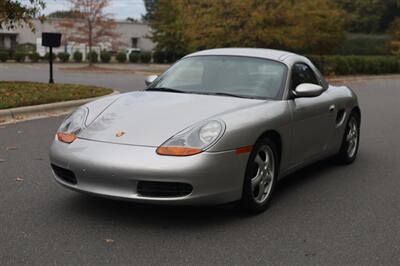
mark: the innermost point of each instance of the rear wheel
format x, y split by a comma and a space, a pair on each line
351, 140
260, 177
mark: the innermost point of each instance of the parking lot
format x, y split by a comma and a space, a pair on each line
325, 214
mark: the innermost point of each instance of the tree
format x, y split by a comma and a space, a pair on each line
150, 6
13, 12
64, 14
368, 16
167, 27
394, 30
92, 26
314, 26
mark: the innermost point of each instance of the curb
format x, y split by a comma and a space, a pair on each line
20, 114
361, 78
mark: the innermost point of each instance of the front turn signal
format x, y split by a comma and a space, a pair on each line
178, 151
66, 137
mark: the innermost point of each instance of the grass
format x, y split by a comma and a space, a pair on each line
17, 94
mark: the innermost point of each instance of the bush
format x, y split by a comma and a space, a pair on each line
78, 56
121, 57
3, 56
93, 57
64, 57
145, 58
134, 57
46, 56
352, 65
34, 57
25, 48
105, 57
159, 57
20, 57
364, 44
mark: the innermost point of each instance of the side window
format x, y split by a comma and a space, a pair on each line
302, 73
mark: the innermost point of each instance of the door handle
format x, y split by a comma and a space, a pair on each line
332, 108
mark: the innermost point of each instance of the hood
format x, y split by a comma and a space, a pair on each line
151, 118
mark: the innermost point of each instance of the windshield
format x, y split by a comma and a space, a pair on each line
225, 75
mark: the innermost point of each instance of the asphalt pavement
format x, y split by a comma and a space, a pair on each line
325, 214
122, 81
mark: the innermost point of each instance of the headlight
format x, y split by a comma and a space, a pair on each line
193, 140
72, 125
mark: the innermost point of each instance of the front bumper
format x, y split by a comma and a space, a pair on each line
115, 170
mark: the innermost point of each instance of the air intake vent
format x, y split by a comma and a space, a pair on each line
163, 189
64, 174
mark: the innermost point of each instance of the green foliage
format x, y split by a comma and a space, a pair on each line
4, 56
356, 65
25, 48
150, 5
121, 57
145, 57
93, 57
304, 26
105, 57
159, 57
34, 57
369, 16
168, 26
394, 44
364, 44
46, 56
134, 57
16, 94
20, 57
64, 57
78, 56
64, 14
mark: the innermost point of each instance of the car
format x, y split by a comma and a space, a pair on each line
219, 126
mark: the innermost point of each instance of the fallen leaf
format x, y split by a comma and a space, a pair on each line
19, 117
109, 241
19, 179
119, 134
13, 148
2, 121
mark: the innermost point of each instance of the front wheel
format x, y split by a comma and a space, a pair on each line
260, 177
351, 140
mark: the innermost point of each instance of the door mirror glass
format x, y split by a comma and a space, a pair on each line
150, 79
308, 90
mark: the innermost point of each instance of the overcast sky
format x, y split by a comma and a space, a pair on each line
121, 9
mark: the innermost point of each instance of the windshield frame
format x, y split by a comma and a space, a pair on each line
278, 97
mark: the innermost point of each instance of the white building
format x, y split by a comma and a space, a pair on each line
132, 34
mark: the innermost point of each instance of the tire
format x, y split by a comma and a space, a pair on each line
260, 177
351, 140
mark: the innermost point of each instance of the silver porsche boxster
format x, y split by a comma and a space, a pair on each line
219, 126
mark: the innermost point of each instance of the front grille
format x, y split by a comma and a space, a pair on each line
163, 189
64, 174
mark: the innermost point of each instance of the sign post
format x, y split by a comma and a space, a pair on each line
51, 40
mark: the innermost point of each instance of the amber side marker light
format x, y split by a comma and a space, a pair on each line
178, 151
243, 150
66, 137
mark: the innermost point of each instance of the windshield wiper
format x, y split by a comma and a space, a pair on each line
228, 94
166, 90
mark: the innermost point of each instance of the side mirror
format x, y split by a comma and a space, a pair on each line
150, 79
308, 90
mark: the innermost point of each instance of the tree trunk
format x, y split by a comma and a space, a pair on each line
90, 42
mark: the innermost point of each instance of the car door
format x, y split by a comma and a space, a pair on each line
313, 119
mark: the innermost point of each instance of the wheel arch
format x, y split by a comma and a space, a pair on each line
357, 111
275, 136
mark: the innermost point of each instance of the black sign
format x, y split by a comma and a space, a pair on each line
50, 39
